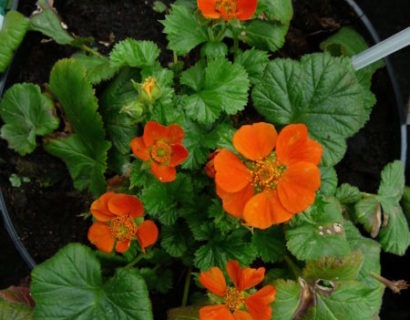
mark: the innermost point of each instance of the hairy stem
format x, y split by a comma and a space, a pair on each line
186, 287
395, 286
90, 50
135, 261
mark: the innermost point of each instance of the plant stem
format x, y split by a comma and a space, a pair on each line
186, 287
292, 265
395, 286
135, 261
175, 57
90, 50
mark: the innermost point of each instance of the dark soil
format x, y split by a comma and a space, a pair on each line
46, 210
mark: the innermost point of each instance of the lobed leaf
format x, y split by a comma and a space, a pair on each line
134, 53
27, 113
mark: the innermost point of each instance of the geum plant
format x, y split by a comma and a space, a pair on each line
232, 158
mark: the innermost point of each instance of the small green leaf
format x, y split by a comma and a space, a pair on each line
319, 233
395, 233
85, 151
70, 286
320, 91
287, 299
223, 88
334, 269
328, 181
347, 194
47, 21
134, 53
221, 248
214, 50
269, 244
14, 311
157, 281
183, 30
276, 10
368, 212
176, 239
254, 61
27, 113
12, 33
266, 35
99, 68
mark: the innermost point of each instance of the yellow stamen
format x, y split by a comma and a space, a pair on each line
161, 152
123, 228
227, 7
233, 299
266, 173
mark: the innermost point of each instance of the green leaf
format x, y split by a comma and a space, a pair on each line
134, 53
15, 311
70, 286
266, 35
176, 239
224, 87
287, 299
328, 181
319, 233
347, 194
12, 33
371, 253
120, 127
47, 21
214, 50
254, 61
368, 212
276, 10
27, 113
406, 202
320, 91
334, 269
184, 313
159, 281
221, 248
394, 234
183, 30
269, 244
99, 68
85, 151
349, 300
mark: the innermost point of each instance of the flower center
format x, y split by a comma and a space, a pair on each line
227, 8
123, 228
148, 85
233, 299
266, 173
161, 152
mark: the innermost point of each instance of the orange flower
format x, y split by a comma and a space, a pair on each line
269, 187
227, 9
162, 148
116, 223
237, 303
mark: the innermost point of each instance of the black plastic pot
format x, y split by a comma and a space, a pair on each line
396, 91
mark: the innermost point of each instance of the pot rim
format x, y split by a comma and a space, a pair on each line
25, 255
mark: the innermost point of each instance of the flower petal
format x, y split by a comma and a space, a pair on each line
179, 155
231, 174
208, 9
298, 185
139, 149
234, 203
233, 269
294, 145
153, 131
255, 141
163, 173
258, 304
125, 204
100, 235
246, 9
147, 234
242, 315
216, 312
99, 208
122, 246
264, 209
214, 281
250, 277
175, 134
